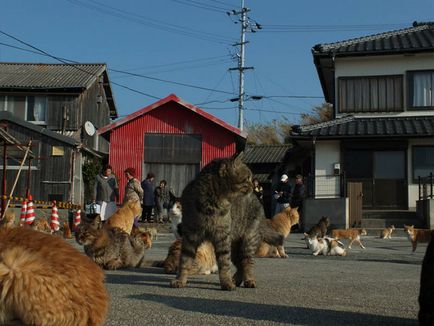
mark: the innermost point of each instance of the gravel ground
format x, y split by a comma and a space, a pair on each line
378, 285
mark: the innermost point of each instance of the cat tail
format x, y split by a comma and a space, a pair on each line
271, 236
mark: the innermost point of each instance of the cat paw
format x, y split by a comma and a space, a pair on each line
237, 279
229, 286
284, 256
177, 284
363, 247
250, 284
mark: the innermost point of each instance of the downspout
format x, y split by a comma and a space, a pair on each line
313, 166
71, 177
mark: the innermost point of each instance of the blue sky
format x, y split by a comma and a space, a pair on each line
190, 42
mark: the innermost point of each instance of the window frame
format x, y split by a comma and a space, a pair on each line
40, 122
410, 82
413, 176
364, 79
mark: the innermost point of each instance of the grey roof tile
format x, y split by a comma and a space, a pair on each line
265, 153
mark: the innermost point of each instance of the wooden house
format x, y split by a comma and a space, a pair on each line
57, 106
171, 138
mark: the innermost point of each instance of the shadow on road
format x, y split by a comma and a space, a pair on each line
273, 313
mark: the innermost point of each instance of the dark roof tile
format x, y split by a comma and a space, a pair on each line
265, 153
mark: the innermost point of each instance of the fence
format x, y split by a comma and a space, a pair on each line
425, 187
325, 186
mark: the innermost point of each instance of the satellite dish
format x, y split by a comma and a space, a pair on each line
89, 128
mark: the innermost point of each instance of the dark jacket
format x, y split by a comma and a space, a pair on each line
285, 198
297, 195
148, 196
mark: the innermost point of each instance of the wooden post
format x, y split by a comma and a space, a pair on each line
4, 179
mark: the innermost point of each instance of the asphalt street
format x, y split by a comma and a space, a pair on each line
375, 286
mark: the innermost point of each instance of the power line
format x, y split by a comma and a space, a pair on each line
201, 5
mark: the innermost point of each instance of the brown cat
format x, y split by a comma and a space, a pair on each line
281, 223
204, 262
124, 216
110, 248
218, 206
41, 225
352, 234
386, 233
144, 234
417, 235
426, 293
8, 220
45, 281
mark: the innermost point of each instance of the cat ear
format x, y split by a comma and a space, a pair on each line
223, 169
96, 223
238, 159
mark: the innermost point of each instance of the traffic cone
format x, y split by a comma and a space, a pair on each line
77, 218
30, 216
23, 212
54, 219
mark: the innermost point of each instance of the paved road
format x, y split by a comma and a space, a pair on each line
375, 286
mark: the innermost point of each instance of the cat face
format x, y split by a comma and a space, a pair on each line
88, 232
237, 174
409, 229
176, 208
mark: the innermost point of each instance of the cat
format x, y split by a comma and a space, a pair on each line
204, 263
218, 206
41, 225
109, 247
319, 229
175, 218
8, 220
45, 281
66, 231
386, 233
144, 234
123, 218
426, 292
417, 235
352, 234
281, 223
325, 246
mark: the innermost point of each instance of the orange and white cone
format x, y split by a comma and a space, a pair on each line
77, 218
23, 214
30, 216
54, 219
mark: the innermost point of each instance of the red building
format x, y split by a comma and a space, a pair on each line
171, 138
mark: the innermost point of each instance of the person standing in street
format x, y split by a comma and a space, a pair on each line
282, 194
106, 192
298, 198
133, 190
148, 197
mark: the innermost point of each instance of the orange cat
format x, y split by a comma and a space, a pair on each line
352, 234
417, 235
204, 263
281, 223
124, 216
41, 225
66, 231
386, 233
8, 220
45, 281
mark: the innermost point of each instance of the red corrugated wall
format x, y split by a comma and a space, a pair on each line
127, 141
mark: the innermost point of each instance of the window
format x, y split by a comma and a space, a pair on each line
370, 94
30, 108
423, 161
420, 84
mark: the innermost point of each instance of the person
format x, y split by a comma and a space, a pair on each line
149, 197
298, 197
133, 190
163, 198
106, 192
282, 194
258, 190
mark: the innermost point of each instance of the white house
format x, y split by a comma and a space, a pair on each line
381, 88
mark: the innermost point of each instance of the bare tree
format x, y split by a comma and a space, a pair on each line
321, 113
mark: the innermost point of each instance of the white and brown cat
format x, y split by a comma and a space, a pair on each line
386, 233
325, 246
351, 234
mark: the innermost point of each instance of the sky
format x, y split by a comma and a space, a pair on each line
188, 45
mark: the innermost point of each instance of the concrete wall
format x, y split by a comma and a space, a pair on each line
385, 65
336, 209
327, 153
425, 211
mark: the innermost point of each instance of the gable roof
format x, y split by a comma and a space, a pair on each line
254, 154
415, 39
167, 99
55, 77
364, 127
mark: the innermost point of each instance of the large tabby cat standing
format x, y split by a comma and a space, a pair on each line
426, 293
206, 203
45, 281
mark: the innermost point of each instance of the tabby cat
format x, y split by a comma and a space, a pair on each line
45, 281
219, 207
426, 293
320, 229
110, 248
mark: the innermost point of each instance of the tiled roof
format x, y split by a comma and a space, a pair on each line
352, 127
419, 37
265, 153
48, 76
262, 177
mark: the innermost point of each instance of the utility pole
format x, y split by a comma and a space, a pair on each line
245, 26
